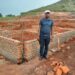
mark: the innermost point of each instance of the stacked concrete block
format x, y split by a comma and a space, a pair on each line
3, 60
60, 38
5, 33
31, 49
11, 49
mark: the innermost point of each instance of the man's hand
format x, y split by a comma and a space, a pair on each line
38, 38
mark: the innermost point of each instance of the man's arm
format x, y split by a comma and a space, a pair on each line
39, 29
51, 33
39, 26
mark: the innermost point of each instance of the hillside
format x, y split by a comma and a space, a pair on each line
62, 5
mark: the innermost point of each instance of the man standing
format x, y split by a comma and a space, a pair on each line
46, 25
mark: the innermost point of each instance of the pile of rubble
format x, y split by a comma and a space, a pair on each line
59, 68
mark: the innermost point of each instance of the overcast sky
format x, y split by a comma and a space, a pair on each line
18, 6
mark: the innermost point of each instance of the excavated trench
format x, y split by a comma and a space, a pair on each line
21, 36
12, 46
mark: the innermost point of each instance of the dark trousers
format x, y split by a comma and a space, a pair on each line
44, 42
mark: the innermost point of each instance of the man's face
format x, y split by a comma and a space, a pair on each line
47, 15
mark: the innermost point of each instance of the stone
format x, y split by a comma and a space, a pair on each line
50, 73
65, 69
68, 47
58, 72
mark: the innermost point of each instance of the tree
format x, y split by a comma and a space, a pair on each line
22, 14
1, 15
10, 15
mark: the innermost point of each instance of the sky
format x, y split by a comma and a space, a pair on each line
15, 7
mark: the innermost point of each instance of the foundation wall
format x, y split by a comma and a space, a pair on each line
31, 48
11, 49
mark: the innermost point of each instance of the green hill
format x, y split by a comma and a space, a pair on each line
62, 5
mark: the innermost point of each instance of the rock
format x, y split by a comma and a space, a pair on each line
50, 73
63, 45
68, 47
65, 69
54, 49
63, 50
58, 72
70, 57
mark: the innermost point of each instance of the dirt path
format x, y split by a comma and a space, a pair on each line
37, 67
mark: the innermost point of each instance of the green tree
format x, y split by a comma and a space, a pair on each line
22, 14
10, 15
1, 15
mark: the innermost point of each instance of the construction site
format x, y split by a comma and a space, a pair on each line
19, 45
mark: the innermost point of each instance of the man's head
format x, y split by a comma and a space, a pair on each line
47, 13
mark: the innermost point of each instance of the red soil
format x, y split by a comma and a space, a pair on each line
42, 67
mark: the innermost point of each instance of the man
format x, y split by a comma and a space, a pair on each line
46, 25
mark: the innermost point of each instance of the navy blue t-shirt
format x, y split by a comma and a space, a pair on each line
46, 26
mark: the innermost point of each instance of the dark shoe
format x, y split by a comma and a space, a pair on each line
40, 58
45, 57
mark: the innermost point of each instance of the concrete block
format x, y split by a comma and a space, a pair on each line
31, 49
11, 49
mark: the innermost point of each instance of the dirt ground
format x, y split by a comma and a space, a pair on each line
41, 67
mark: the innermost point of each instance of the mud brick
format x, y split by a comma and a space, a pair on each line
31, 49
11, 49
58, 72
65, 69
20, 50
50, 73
